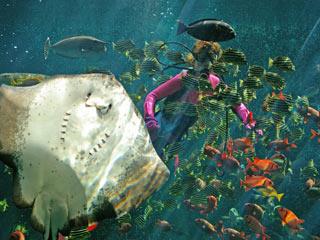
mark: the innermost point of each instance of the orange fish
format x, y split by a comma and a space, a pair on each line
289, 218
17, 235
255, 181
212, 205
281, 145
244, 144
314, 134
265, 165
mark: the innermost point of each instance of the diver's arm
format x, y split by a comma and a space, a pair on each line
169, 87
240, 109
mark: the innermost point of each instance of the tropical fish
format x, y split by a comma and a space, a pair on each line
234, 234
282, 145
76, 47
256, 71
219, 68
233, 56
256, 227
123, 46
211, 151
124, 228
150, 66
208, 30
314, 134
244, 144
212, 202
290, 219
251, 82
136, 54
254, 210
17, 235
275, 80
206, 226
265, 165
151, 50
282, 62
164, 225
269, 191
255, 181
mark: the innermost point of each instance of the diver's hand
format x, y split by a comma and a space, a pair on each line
152, 126
151, 123
252, 126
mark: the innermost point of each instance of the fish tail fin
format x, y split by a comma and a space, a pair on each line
181, 27
47, 46
279, 196
270, 62
313, 134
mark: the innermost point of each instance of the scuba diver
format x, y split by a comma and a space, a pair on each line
165, 129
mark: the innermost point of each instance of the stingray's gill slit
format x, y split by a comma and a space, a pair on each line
64, 125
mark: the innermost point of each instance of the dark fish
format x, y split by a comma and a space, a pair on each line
282, 62
208, 30
123, 46
233, 56
76, 47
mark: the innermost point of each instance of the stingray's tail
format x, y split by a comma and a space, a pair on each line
46, 49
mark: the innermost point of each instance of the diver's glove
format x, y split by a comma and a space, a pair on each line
246, 117
151, 123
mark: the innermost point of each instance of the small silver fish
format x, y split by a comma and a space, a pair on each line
76, 47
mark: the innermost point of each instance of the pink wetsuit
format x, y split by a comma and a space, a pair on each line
175, 84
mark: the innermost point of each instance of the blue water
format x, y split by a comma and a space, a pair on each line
264, 28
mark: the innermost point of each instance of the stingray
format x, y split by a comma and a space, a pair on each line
79, 150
